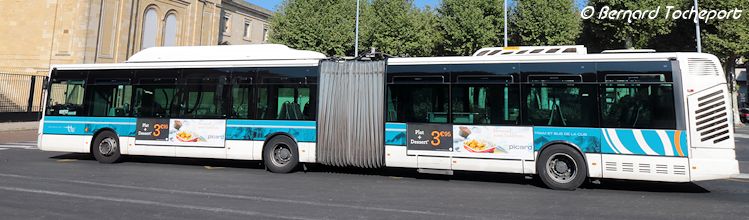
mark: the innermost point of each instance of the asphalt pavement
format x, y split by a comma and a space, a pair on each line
742, 148
50, 185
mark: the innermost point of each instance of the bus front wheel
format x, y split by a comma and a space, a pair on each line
562, 168
281, 155
106, 148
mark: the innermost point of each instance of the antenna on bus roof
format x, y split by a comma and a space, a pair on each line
373, 55
544, 50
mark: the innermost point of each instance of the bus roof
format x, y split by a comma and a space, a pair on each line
547, 58
223, 53
275, 55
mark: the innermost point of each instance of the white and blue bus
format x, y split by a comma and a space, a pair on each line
561, 114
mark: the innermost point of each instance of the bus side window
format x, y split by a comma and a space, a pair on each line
287, 102
204, 92
288, 93
420, 103
418, 94
66, 94
485, 104
637, 95
110, 93
241, 94
485, 94
556, 94
157, 94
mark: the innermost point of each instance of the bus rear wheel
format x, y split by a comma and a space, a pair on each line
561, 168
106, 148
281, 155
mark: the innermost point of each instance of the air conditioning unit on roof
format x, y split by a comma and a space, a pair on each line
544, 50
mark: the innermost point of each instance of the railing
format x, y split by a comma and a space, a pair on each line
21, 96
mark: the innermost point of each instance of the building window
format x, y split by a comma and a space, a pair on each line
150, 26
265, 33
170, 30
227, 24
247, 30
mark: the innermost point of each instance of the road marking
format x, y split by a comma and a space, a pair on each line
738, 180
145, 202
232, 196
738, 135
66, 160
212, 168
20, 145
3, 148
742, 176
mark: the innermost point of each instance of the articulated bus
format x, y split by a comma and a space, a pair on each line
564, 116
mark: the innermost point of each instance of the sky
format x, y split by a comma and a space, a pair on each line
272, 4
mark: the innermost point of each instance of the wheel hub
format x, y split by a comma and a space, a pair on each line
284, 154
108, 146
561, 168
281, 154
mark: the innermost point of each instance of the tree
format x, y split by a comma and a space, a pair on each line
469, 25
326, 26
603, 34
397, 27
727, 39
545, 22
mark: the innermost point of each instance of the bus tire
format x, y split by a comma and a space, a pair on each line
106, 148
281, 155
561, 167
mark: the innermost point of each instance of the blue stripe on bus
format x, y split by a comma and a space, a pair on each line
653, 141
395, 134
615, 141
588, 139
628, 140
73, 125
258, 130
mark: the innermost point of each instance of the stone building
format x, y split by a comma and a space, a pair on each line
37, 33
243, 23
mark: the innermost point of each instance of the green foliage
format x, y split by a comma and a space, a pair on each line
545, 23
469, 25
326, 26
460, 27
604, 34
728, 39
398, 28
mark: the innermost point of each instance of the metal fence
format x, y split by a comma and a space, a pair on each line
21, 97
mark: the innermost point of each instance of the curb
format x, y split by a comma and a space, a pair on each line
19, 126
741, 176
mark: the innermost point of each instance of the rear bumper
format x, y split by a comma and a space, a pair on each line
711, 164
